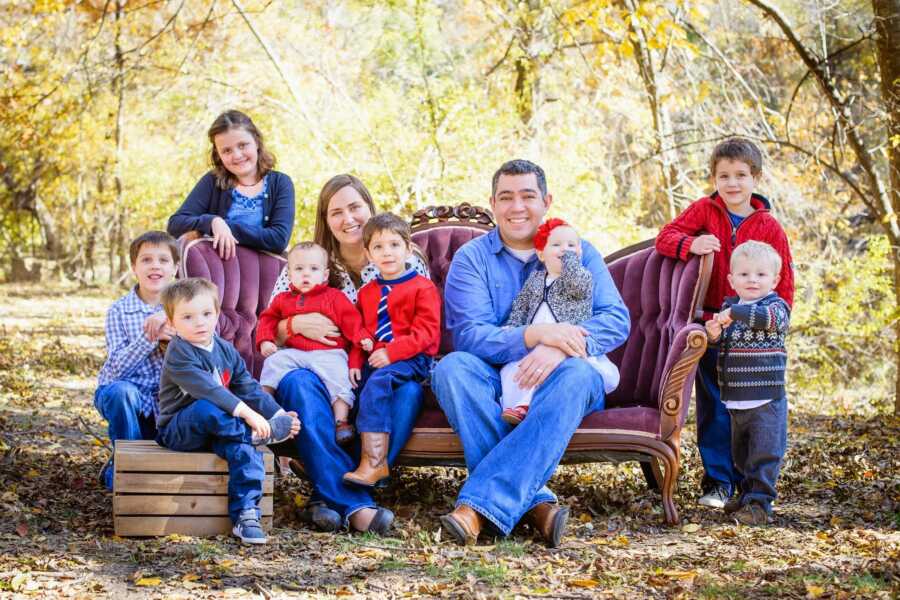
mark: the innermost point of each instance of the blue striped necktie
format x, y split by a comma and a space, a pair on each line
384, 332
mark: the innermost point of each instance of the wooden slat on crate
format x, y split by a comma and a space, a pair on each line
144, 456
199, 526
124, 505
176, 483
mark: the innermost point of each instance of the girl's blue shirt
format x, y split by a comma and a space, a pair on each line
245, 210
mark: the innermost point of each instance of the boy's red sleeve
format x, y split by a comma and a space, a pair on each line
424, 331
349, 321
267, 328
785, 287
675, 238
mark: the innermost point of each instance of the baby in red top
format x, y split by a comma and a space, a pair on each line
309, 293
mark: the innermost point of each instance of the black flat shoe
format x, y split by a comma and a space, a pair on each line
321, 517
381, 522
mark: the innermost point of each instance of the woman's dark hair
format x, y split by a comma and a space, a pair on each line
323, 235
235, 119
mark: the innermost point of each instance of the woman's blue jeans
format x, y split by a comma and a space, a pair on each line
324, 461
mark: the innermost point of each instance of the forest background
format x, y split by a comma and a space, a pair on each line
105, 106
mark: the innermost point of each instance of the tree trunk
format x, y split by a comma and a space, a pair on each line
887, 25
529, 30
662, 208
117, 241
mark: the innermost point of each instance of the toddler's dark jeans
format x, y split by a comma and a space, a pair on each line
758, 444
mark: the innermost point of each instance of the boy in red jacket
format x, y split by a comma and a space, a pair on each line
309, 293
733, 214
402, 312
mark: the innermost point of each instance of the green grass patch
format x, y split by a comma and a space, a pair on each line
868, 583
510, 548
719, 591
393, 564
459, 570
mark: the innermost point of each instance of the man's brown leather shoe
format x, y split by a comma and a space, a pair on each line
464, 524
550, 520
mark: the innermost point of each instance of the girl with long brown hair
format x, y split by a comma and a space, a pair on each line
242, 199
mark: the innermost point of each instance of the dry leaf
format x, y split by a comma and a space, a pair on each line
18, 581
691, 528
148, 581
814, 591
22, 529
584, 583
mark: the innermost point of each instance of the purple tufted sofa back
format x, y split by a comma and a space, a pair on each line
660, 294
439, 244
245, 284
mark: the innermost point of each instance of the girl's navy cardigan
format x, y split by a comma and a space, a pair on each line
208, 201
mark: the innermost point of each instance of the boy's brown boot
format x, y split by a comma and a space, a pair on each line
373, 468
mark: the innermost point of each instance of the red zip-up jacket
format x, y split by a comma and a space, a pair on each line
322, 299
414, 306
709, 215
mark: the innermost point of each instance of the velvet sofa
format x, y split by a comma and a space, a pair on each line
644, 415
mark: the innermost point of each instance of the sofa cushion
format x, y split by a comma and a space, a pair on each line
658, 292
439, 244
250, 277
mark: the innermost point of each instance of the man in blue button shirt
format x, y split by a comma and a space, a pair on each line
508, 467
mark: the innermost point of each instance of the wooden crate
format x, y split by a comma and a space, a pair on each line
159, 491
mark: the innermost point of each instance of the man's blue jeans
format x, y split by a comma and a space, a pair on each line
713, 427
508, 467
204, 426
120, 404
759, 441
324, 461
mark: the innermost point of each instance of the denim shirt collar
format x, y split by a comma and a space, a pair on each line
497, 246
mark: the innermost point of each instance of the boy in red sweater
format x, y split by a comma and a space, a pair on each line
309, 293
733, 214
402, 312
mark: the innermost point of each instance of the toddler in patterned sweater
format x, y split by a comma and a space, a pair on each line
750, 331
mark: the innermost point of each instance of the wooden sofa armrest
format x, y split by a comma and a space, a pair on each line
677, 381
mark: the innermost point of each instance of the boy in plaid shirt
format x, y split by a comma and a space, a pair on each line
128, 383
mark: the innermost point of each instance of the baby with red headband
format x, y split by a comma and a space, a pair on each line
560, 292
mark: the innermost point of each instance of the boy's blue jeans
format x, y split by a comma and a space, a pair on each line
382, 386
508, 467
324, 461
758, 442
713, 427
205, 426
120, 404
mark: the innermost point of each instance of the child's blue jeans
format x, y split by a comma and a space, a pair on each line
758, 444
120, 404
713, 427
205, 426
379, 392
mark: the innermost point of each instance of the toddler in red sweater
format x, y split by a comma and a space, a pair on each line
309, 293
402, 311
717, 224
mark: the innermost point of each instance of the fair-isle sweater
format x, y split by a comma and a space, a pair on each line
752, 357
570, 296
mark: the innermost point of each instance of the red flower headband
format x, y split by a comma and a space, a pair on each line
543, 232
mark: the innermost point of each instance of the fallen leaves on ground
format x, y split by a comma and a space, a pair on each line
835, 533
